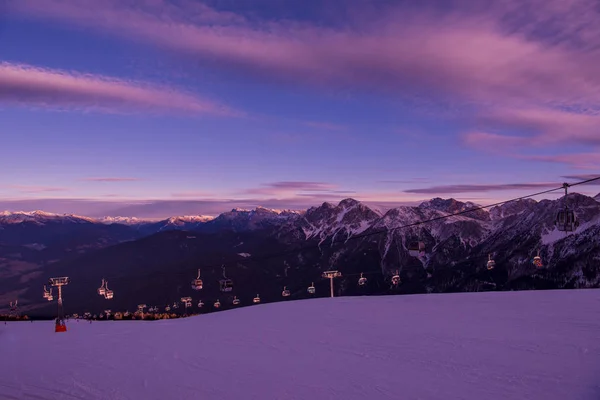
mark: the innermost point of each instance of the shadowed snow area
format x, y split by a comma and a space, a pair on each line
511, 345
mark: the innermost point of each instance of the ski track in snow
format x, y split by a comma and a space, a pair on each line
510, 345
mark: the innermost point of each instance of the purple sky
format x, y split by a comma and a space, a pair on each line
185, 106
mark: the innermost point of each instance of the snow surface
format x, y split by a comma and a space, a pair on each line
502, 345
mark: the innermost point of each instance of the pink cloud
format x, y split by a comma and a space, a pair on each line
479, 55
112, 179
36, 189
285, 187
461, 188
325, 125
517, 65
27, 85
589, 161
492, 142
192, 194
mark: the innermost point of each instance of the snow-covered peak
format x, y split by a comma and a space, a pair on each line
512, 208
349, 217
257, 213
186, 219
40, 217
453, 206
124, 220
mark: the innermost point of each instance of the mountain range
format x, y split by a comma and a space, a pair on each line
263, 250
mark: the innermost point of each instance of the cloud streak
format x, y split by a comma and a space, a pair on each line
583, 177
480, 55
453, 189
28, 189
325, 125
111, 179
526, 69
287, 187
27, 85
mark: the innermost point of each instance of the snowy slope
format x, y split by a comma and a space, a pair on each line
512, 345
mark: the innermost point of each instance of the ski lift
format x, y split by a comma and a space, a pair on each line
491, 264
197, 283
236, 301
186, 301
256, 300
48, 294
286, 292
537, 260
217, 304
226, 284
416, 249
396, 279
566, 221
13, 306
311, 289
362, 281
167, 308
200, 304
108, 294
175, 305
102, 289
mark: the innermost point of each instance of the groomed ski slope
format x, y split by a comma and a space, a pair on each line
513, 345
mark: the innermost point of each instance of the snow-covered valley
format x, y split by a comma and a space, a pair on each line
502, 345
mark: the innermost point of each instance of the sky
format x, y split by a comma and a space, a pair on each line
169, 107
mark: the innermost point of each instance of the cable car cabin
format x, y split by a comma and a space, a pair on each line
396, 279
102, 289
286, 292
256, 300
200, 304
311, 289
226, 285
197, 284
236, 301
217, 304
362, 281
537, 261
416, 249
566, 221
167, 308
108, 294
491, 264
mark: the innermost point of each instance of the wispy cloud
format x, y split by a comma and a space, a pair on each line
325, 125
411, 180
584, 161
584, 177
192, 194
453, 189
66, 90
36, 189
526, 69
287, 187
111, 179
475, 53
